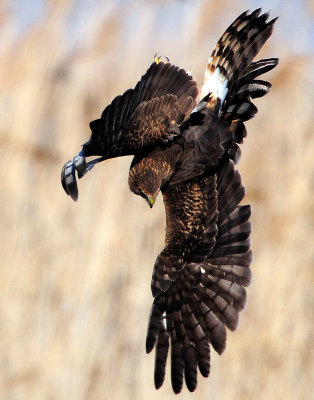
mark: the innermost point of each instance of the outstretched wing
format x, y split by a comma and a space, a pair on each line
234, 52
216, 125
198, 280
230, 75
200, 291
140, 118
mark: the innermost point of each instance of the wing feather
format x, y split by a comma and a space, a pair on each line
162, 348
115, 133
199, 278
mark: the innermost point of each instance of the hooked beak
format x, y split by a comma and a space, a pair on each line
151, 201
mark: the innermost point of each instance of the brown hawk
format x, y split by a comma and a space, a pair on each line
188, 151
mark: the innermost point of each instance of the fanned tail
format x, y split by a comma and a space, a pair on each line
209, 296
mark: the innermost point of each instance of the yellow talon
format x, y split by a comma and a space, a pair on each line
157, 58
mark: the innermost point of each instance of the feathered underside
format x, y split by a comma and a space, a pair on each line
199, 278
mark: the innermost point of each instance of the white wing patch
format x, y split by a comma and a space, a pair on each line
214, 82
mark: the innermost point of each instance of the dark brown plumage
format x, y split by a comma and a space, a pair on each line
198, 278
189, 153
136, 121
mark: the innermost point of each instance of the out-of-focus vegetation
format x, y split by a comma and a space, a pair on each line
75, 277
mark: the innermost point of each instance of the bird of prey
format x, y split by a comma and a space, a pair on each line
186, 145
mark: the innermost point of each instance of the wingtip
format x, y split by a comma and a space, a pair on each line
150, 344
159, 379
68, 180
76, 165
74, 196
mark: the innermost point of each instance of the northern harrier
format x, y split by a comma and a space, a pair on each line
187, 149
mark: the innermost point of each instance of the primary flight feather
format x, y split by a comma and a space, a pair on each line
187, 149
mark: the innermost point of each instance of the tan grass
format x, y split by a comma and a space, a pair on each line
75, 278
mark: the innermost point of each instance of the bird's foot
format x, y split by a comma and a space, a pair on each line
158, 58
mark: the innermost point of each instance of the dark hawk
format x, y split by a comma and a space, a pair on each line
188, 149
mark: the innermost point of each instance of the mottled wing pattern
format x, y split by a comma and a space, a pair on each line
157, 119
191, 213
160, 101
140, 118
205, 143
235, 51
199, 289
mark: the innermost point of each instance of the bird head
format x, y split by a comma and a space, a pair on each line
145, 183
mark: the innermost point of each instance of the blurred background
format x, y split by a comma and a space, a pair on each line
75, 277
